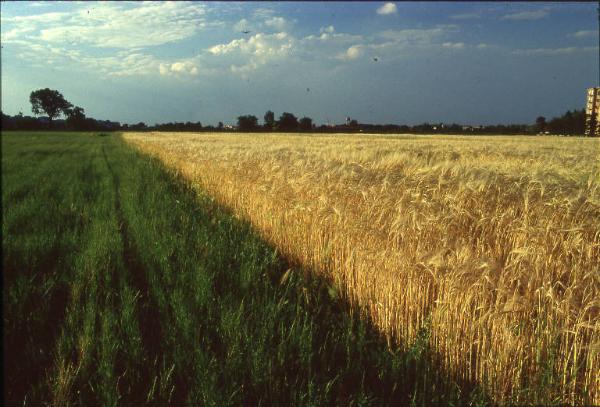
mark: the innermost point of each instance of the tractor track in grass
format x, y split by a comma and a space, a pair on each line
147, 310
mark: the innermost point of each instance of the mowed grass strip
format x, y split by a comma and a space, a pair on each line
63, 269
124, 285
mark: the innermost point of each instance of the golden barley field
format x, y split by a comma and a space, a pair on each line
490, 243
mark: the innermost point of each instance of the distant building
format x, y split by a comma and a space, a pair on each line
592, 113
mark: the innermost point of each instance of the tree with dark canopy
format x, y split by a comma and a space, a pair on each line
305, 124
247, 123
569, 123
540, 124
75, 118
49, 101
269, 120
287, 122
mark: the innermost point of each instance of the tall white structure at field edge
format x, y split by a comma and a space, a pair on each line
592, 113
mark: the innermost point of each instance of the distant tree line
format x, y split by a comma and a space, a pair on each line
21, 122
572, 122
53, 104
287, 122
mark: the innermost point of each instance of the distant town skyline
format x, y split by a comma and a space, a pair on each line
376, 62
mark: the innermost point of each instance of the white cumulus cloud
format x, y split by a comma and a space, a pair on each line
244, 55
354, 52
259, 44
184, 67
387, 8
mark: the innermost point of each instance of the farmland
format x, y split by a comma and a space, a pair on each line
490, 245
126, 283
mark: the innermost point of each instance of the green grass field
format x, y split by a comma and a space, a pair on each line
123, 285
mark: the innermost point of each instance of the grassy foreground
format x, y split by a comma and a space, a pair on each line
123, 285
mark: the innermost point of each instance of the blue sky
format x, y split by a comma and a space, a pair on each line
377, 62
